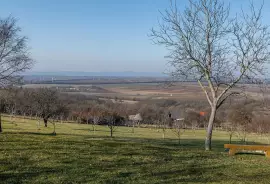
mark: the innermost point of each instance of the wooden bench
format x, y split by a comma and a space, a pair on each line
236, 148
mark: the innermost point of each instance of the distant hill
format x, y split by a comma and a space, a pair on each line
92, 77
100, 74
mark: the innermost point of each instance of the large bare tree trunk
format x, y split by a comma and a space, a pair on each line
133, 125
54, 124
111, 131
208, 139
163, 133
45, 122
1, 124
24, 117
94, 128
230, 138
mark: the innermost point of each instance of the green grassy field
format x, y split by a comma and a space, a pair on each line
77, 155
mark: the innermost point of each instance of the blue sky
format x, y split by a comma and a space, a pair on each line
95, 35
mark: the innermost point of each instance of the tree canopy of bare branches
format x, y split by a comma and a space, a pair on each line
207, 44
48, 104
14, 53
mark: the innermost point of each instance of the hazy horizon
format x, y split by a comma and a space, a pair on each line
97, 74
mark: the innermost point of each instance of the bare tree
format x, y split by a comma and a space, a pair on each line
178, 129
53, 120
97, 115
241, 119
192, 119
26, 102
96, 120
230, 128
60, 112
112, 119
13, 100
2, 106
163, 122
135, 119
208, 46
262, 126
14, 54
47, 104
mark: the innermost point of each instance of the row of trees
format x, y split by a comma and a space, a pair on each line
51, 106
42, 103
238, 119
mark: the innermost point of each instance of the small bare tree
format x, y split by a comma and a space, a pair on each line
178, 128
14, 53
208, 46
96, 120
13, 103
230, 128
163, 122
262, 127
241, 119
96, 115
53, 120
60, 111
135, 119
192, 119
113, 119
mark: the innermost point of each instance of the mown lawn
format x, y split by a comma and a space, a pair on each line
77, 155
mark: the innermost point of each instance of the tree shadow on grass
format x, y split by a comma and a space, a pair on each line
30, 133
190, 173
91, 130
251, 153
166, 143
33, 173
80, 159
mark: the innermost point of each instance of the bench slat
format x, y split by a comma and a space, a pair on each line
235, 148
247, 147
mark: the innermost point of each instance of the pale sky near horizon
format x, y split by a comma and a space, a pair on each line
96, 35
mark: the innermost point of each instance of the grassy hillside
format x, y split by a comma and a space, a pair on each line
77, 155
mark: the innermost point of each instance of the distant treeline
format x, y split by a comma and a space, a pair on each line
46, 103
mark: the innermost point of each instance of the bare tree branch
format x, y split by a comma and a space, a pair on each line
14, 55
